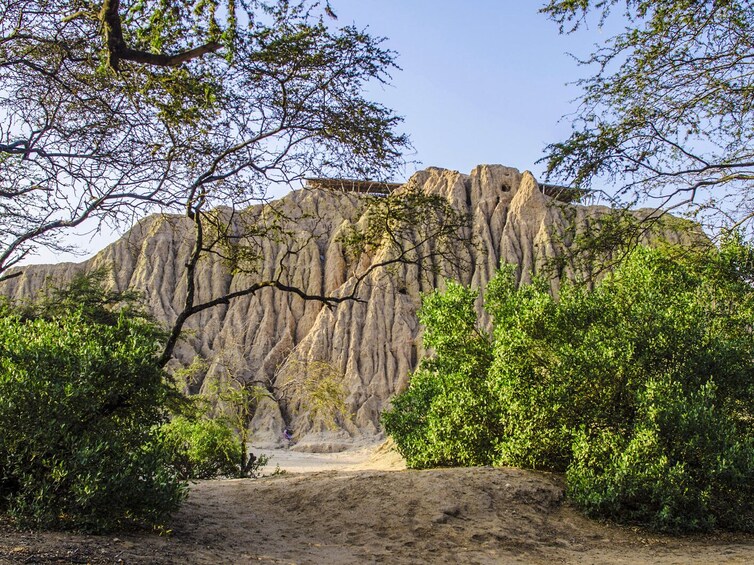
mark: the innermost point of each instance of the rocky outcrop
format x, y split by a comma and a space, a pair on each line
371, 344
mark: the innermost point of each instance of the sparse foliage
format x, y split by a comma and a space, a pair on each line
668, 109
115, 108
411, 227
238, 401
222, 413
317, 387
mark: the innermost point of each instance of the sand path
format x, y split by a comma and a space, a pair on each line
369, 457
352, 508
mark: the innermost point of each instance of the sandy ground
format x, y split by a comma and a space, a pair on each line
374, 457
360, 507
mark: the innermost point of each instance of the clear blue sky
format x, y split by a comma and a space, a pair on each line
482, 81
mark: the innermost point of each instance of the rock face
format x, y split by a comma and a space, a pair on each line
371, 345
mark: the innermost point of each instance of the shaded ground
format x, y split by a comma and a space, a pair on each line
361, 514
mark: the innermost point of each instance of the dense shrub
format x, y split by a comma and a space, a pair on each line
447, 416
201, 448
684, 466
641, 388
79, 406
81, 401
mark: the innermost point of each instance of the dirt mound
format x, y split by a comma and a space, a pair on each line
479, 515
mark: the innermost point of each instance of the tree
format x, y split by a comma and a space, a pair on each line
81, 401
405, 227
113, 109
640, 389
237, 400
314, 386
668, 111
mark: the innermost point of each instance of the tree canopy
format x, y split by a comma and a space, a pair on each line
669, 108
110, 109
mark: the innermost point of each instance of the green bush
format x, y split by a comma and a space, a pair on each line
202, 448
447, 416
79, 406
683, 467
81, 401
641, 388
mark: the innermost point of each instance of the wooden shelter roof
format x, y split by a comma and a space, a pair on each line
561, 193
353, 185
564, 193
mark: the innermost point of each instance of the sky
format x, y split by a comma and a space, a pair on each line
482, 82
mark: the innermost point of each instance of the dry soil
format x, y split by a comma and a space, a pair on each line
362, 506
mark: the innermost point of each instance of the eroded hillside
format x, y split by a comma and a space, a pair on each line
371, 344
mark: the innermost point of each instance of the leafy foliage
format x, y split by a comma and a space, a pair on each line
641, 389
448, 416
81, 399
116, 108
202, 448
667, 108
686, 465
